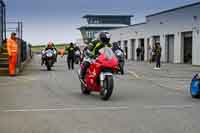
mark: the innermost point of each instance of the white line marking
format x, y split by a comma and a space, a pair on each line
70, 109
134, 74
169, 107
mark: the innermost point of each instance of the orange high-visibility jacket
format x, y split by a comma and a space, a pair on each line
11, 46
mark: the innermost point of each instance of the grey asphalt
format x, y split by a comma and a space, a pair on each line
144, 101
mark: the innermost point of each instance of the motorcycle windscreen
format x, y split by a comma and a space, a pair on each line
107, 52
49, 53
107, 57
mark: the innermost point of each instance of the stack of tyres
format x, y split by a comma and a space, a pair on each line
195, 86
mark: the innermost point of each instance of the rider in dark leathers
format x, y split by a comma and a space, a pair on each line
116, 47
70, 57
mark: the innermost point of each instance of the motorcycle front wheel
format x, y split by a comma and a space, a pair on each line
107, 89
48, 65
48, 68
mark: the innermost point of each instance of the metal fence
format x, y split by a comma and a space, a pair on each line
2, 22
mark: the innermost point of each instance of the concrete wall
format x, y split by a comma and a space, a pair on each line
169, 23
196, 47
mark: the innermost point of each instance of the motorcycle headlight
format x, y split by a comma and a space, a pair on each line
118, 53
49, 54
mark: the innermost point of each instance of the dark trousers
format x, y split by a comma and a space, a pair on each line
158, 64
86, 65
138, 57
70, 62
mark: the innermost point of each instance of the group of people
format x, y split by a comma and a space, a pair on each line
71, 53
91, 51
154, 54
102, 40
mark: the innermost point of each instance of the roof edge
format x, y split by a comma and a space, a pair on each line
131, 25
173, 9
93, 15
137, 24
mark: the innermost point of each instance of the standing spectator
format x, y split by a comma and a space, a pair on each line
126, 52
70, 58
138, 51
158, 51
153, 59
150, 54
142, 53
12, 48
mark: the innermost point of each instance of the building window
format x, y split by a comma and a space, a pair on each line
96, 21
195, 18
119, 43
89, 34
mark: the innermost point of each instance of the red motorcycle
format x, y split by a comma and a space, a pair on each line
99, 76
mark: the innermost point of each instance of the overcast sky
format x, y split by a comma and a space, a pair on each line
58, 20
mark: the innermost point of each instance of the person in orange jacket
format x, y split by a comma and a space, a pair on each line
12, 48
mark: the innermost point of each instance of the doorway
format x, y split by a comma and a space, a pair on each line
126, 49
149, 50
133, 49
141, 46
170, 48
187, 47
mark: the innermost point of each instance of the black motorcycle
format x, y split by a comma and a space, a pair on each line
121, 58
49, 59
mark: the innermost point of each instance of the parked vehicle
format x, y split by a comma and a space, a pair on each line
195, 86
99, 76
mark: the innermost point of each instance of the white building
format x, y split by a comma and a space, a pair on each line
177, 30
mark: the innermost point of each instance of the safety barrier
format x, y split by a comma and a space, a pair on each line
24, 55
